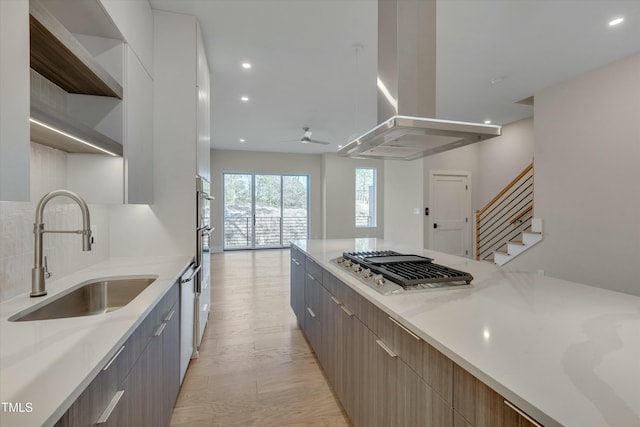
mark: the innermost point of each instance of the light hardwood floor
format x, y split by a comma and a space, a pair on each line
255, 366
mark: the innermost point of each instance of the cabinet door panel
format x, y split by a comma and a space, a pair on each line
437, 369
513, 417
297, 285
138, 144
459, 420
86, 410
464, 397
384, 371
489, 406
441, 410
414, 404
14, 102
171, 362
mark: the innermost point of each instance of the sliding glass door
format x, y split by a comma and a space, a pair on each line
264, 211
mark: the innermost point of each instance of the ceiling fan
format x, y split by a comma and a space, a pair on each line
307, 138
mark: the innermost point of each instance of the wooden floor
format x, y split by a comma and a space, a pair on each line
255, 366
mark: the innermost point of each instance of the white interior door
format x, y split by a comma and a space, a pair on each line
450, 209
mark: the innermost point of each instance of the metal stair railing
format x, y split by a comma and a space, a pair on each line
505, 217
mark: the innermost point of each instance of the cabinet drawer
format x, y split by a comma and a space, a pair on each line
368, 313
298, 256
346, 296
314, 269
437, 370
407, 345
330, 282
312, 288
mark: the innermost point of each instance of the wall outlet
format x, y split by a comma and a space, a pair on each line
540, 272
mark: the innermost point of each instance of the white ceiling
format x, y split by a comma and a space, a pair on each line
307, 70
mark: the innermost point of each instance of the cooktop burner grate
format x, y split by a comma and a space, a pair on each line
407, 271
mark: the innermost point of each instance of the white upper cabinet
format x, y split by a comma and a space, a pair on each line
138, 147
134, 20
204, 119
14, 100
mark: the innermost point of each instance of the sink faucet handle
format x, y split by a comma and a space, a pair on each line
47, 273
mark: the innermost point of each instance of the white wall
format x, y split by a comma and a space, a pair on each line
586, 178
403, 203
167, 227
339, 195
502, 159
64, 251
262, 162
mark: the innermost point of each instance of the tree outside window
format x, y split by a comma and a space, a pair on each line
365, 197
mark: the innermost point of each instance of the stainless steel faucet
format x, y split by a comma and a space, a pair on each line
38, 272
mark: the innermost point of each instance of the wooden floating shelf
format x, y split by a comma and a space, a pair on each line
55, 129
60, 57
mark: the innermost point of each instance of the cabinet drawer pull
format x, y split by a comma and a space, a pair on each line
334, 299
346, 310
158, 331
113, 359
387, 349
293, 260
110, 407
169, 316
190, 278
311, 277
527, 417
404, 329
311, 312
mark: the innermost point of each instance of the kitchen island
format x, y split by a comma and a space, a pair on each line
561, 353
48, 365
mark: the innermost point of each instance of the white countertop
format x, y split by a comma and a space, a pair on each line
566, 353
48, 363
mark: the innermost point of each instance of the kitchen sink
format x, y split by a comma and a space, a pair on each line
95, 297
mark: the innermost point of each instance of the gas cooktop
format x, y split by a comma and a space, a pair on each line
390, 272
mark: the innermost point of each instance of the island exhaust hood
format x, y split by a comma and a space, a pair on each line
407, 90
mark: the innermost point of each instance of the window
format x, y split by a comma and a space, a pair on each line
365, 197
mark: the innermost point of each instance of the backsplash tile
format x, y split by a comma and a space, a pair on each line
63, 251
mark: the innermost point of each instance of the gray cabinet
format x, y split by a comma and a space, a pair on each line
383, 373
139, 385
313, 311
297, 284
477, 405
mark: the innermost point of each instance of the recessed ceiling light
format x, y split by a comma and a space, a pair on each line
616, 21
339, 147
246, 65
244, 99
487, 122
241, 140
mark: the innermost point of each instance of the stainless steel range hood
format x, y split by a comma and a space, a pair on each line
407, 90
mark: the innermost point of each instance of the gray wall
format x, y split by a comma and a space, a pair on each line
263, 162
502, 159
492, 163
586, 179
403, 205
340, 195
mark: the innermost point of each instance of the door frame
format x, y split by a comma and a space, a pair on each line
253, 246
467, 174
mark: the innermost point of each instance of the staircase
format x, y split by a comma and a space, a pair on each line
516, 247
506, 227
